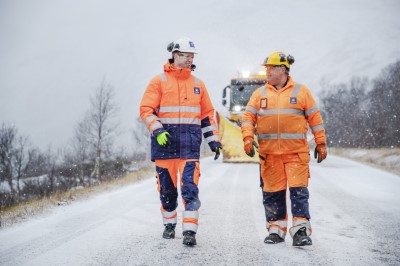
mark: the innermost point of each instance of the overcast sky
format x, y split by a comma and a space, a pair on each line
54, 53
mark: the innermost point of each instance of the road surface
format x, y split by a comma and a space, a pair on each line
355, 212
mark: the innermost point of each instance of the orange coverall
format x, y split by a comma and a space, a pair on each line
280, 119
178, 102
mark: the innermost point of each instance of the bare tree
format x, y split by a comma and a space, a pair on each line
81, 149
356, 117
20, 160
99, 123
36, 163
8, 135
384, 111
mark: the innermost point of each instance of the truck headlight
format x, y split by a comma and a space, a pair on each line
237, 108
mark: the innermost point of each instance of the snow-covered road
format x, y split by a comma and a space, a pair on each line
355, 213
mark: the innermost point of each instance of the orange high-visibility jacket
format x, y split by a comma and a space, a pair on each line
177, 102
280, 119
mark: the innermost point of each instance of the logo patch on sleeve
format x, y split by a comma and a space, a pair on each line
196, 90
293, 100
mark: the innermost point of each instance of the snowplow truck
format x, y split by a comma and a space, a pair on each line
235, 98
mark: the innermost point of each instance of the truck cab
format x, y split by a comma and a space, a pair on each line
236, 95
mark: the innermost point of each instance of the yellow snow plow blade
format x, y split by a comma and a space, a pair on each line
232, 143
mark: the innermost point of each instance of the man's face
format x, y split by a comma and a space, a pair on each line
183, 60
274, 74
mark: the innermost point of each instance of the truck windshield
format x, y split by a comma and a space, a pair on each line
240, 94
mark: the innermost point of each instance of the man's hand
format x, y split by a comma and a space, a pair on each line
217, 153
320, 152
217, 150
163, 139
249, 145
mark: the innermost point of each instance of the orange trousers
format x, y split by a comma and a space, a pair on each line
279, 171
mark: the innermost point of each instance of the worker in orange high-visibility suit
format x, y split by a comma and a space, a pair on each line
177, 111
280, 113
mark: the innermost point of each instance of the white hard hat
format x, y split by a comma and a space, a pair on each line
184, 45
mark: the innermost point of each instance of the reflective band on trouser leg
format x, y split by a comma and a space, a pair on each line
190, 221
277, 227
299, 222
169, 217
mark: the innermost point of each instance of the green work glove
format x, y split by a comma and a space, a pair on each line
163, 139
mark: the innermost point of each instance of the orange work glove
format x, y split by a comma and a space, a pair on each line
320, 152
249, 145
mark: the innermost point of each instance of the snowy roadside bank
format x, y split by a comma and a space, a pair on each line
32, 208
386, 158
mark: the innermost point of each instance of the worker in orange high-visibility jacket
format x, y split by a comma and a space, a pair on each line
280, 113
177, 111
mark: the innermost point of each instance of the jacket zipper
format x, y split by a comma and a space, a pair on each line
279, 119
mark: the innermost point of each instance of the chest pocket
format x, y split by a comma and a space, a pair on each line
191, 92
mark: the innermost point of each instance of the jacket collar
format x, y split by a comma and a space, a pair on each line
179, 73
289, 84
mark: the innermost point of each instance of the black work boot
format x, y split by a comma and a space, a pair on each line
169, 231
189, 238
273, 239
301, 238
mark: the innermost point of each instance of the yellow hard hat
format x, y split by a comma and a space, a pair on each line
279, 59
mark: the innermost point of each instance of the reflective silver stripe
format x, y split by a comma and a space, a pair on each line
196, 80
170, 220
281, 111
273, 228
247, 123
194, 121
311, 110
191, 109
278, 231
251, 109
267, 136
280, 223
151, 119
190, 214
292, 136
168, 214
282, 136
295, 90
319, 127
169, 217
297, 224
155, 126
163, 77
208, 129
263, 91
212, 138
189, 227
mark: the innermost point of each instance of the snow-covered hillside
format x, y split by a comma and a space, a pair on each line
355, 213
